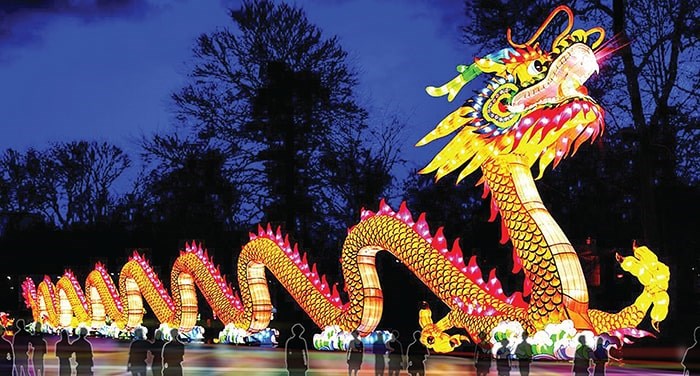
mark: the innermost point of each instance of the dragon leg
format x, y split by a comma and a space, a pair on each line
654, 276
433, 333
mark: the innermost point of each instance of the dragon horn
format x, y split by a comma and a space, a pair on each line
569, 25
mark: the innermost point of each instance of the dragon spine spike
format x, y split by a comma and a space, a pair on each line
493, 210
404, 214
504, 233
517, 263
439, 241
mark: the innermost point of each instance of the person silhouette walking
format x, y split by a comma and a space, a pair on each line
83, 354
416, 354
21, 341
156, 349
138, 352
582, 358
64, 351
482, 355
600, 358
503, 358
691, 358
395, 349
39, 350
524, 354
379, 351
173, 355
297, 352
355, 352
7, 355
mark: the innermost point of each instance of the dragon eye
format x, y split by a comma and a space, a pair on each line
535, 68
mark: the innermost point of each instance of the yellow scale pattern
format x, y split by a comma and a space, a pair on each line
530, 245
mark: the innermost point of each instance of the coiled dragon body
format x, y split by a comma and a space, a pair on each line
534, 108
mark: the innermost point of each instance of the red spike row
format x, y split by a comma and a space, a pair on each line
517, 300
527, 287
269, 232
493, 209
324, 285
439, 241
455, 255
422, 228
517, 262
504, 232
285, 244
261, 231
384, 209
364, 214
487, 190
404, 214
473, 271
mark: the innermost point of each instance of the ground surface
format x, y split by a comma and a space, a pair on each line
111, 357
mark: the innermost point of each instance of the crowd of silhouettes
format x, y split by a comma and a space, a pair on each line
583, 357
16, 354
167, 357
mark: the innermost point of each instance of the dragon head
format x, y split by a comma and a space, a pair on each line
535, 104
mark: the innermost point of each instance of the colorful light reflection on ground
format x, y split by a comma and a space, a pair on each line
201, 359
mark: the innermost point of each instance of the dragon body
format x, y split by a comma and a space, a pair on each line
534, 108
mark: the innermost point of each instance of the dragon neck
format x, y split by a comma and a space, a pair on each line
552, 270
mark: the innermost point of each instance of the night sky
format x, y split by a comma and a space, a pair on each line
105, 72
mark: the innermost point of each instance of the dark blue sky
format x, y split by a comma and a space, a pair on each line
91, 71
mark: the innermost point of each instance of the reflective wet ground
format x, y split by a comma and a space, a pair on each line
110, 358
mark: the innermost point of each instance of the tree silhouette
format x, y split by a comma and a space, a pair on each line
68, 184
277, 97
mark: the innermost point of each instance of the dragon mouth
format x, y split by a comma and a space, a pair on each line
564, 80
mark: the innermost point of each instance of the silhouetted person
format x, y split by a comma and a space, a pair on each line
173, 355
379, 351
524, 354
355, 352
416, 354
21, 344
482, 355
395, 349
691, 358
39, 350
582, 358
83, 354
7, 355
156, 349
297, 352
503, 358
64, 351
138, 352
600, 358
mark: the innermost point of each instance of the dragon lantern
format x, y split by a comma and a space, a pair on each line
534, 108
